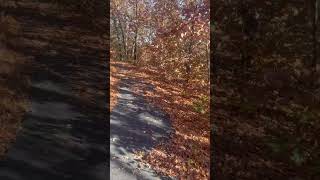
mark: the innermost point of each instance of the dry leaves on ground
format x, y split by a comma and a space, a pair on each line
13, 103
187, 154
113, 85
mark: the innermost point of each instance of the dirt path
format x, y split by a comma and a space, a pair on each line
58, 139
136, 127
64, 134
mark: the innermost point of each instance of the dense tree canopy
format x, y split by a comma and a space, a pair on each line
170, 35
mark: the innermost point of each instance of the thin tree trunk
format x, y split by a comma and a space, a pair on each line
208, 59
314, 36
187, 63
124, 45
118, 37
136, 35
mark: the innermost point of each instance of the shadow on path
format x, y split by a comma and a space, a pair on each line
135, 126
58, 139
62, 137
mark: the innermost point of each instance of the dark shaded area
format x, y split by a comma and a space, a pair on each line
65, 135
265, 90
59, 139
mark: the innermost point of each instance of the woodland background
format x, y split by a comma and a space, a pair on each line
170, 35
266, 89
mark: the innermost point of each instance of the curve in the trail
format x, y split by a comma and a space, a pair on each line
136, 126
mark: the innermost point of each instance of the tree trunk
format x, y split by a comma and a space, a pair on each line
118, 37
314, 36
187, 63
208, 59
136, 35
124, 44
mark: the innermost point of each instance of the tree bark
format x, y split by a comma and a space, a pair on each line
124, 43
118, 37
136, 34
314, 36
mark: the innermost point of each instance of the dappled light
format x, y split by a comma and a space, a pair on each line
186, 153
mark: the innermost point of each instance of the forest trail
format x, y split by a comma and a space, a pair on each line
63, 136
136, 127
58, 140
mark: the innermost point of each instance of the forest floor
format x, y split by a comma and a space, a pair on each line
67, 96
135, 127
261, 132
114, 80
13, 101
186, 155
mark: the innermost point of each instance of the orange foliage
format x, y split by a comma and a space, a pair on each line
113, 85
187, 154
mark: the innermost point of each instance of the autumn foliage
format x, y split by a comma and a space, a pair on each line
187, 154
166, 43
170, 35
265, 90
